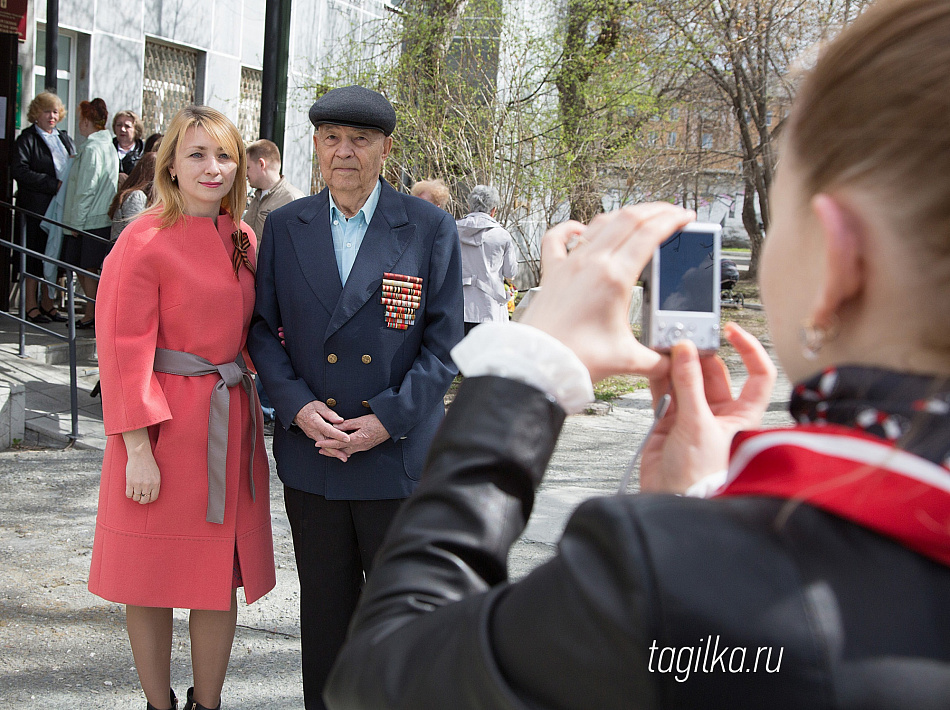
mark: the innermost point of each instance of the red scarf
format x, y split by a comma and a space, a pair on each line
855, 476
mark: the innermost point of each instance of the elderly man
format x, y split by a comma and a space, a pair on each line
272, 190
366, 284
488, 258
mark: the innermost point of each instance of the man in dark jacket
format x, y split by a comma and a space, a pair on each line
365, 284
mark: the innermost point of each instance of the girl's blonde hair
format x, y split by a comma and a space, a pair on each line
170, 204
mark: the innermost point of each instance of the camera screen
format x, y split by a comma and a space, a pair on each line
687, 272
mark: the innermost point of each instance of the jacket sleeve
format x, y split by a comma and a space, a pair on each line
134, 203
81, 188
425, 384
127, 318
440, 625
509, 268
287, 392
22, 169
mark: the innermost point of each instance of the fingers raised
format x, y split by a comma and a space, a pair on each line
555, 241
758, 387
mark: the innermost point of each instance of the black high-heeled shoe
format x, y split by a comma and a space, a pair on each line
85, 324
39, 318
172, 698
192, 705
53, 315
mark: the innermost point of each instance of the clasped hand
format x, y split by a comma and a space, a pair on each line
337, 437
584, 302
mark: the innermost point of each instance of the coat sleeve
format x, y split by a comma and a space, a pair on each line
22, 169
80, 188
287, 392
425, 384
127, 319
134, 203
568, 635
509, 268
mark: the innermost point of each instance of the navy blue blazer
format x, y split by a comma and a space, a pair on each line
339, 349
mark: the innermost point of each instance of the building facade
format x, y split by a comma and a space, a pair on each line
155, 56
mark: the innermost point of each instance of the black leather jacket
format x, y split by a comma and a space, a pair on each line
33, 169
859, 621
132, 157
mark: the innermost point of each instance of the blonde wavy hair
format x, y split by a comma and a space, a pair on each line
170, 204
45, 101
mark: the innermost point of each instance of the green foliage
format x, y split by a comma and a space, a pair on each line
555, 104
614, 387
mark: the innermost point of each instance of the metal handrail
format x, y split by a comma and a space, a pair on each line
44, 218
71, 297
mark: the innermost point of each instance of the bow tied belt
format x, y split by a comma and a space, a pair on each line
231, 374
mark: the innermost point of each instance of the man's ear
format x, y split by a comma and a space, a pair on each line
843, 233
387, 146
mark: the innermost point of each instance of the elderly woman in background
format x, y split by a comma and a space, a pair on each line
134, 196
89, 192
40, 159
184, 509
128, 142
433, 191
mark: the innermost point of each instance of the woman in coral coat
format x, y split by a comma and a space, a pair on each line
184, 511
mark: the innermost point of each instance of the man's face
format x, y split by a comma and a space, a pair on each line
351, 158
255, 173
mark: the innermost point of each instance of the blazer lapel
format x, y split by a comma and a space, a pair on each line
310, 235
386, 239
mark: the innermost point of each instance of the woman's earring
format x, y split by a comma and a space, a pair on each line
813, 337
174, 178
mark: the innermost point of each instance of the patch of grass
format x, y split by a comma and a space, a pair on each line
614, 387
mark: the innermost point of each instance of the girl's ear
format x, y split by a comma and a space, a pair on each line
843, 234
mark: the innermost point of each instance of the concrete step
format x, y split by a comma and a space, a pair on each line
12, 414
58, 353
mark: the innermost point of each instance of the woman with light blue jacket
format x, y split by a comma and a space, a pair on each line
89, 191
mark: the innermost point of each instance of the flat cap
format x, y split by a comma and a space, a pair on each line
354, 106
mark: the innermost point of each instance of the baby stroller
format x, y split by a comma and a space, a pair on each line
728, 277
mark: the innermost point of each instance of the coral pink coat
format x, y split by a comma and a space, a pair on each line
175, 288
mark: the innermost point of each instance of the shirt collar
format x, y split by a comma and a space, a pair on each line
262, 193
368, 209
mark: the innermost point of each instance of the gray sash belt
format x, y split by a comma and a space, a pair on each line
175, 362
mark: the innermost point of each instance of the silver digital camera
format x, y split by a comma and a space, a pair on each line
681, 290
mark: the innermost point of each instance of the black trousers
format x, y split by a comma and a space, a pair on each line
335, 542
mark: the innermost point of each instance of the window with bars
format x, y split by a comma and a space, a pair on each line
169, 84
249, 115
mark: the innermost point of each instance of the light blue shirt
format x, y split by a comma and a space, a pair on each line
348, 233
